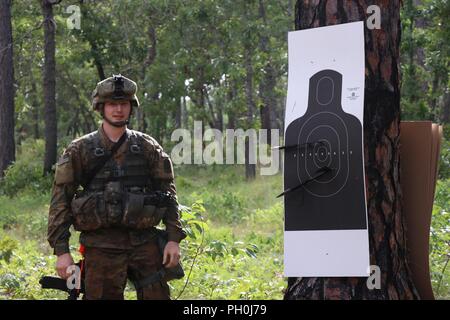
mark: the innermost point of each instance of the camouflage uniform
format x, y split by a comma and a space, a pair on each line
113, 252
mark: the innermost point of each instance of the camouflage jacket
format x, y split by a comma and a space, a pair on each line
71, 169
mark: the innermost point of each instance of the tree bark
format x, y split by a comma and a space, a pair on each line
35, 106
7, 144
445, 117
381, 145
49, 86
268, 81
149, 60
184, 114
250, 169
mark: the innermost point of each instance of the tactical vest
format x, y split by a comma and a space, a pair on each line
135, 171
118, 195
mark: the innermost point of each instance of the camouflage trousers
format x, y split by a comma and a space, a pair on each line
107, 271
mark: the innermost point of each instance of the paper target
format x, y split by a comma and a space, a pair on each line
326, 231
324, 137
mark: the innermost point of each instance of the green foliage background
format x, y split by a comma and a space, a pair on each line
204, 53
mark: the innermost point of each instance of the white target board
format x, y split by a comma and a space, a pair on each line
326, 232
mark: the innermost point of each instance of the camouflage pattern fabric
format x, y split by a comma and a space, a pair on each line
107, 270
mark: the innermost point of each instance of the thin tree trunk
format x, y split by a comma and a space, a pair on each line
7, 144
49, 87
214, 120
381, 141
220, 118
445, 117
178, 114
231, 94
268, 82
250, 169
97, 61
412, 68
89, 123
149, 60
184, 115
434, 97
35, 106
94, 48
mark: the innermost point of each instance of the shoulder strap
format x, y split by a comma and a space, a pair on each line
102, 161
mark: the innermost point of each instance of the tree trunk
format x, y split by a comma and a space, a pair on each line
268, 81
433, 104
381, 143
445, 117
231, 95
178, 113
184, 114
97, 61
149, 60
35, 106
7, 145
250, 169
49, 86
95, 52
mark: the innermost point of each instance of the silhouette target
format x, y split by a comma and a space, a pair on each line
323, 154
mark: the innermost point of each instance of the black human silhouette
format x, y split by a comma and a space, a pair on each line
323, 175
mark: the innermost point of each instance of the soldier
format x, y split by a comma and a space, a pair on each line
112, 211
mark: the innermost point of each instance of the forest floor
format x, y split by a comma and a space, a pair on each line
234, 249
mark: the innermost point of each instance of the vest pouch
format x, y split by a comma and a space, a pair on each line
114, 202
160, 213
138, 215
87, 211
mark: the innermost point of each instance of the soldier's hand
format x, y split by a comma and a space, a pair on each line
172, 254
62, 263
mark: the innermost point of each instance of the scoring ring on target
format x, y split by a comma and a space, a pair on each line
322, 152
339, 152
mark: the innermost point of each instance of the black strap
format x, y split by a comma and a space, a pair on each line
105, 159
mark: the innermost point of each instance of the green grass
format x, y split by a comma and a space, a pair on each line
239, 256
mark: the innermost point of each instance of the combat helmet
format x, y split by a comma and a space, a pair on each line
116, 87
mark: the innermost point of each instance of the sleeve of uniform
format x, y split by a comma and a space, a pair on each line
163, 178
64, 187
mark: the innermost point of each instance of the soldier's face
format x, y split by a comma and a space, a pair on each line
117, 111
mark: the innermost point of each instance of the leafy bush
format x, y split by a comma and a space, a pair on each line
219, 265
227, 206
19, 278
25, 214
7, 246
26, 174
